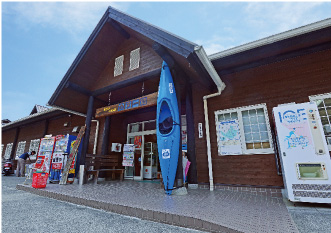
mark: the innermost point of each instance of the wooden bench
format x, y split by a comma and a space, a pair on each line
98, 163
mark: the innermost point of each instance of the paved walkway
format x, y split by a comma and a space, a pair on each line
217, 211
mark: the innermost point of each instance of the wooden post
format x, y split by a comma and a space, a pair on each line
87, 131
46, 127
13, 149
192, 172
105, 136
179, 173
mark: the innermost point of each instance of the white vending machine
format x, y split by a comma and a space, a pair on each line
303, 153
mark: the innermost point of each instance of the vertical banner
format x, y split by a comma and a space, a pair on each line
229, 137
128, 155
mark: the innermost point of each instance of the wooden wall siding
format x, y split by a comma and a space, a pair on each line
287, 81
93, 63
149, 61
7, 137
36, 130
30, 132
200, 143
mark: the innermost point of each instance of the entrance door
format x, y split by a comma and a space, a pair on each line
136, 134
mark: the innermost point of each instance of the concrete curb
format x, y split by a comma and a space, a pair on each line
151, 215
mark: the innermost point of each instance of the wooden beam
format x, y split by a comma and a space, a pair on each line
87, 131
176, 70
118, 27
192, 176
128, 82
76, 87
205, 78
105, 136
164, 54
46, 127
12, 154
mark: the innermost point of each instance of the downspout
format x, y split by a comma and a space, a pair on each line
200, 52
210, 164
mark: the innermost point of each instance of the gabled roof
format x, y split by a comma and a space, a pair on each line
36, 117
193, 55
38, 108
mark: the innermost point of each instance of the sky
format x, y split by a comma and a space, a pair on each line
40, 40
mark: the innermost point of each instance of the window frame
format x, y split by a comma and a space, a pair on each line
18, 152
11, 149
239, 111
118, 65
132, 53
33, 142
313, 98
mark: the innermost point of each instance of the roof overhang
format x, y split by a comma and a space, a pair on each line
295, 42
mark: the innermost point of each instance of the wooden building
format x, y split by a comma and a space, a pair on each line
24, 134
121, 61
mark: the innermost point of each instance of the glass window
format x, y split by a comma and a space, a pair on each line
323, 103
9, 148
20, 149
34, 146
254, 130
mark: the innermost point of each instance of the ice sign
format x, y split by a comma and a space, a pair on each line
292, 117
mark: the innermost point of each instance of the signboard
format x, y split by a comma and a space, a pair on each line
128, 155
229, 137
200, 130
138, 103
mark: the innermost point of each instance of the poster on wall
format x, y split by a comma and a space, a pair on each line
137, 142
128, 155
229, 138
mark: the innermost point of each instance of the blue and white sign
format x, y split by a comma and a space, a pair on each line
229, 137
165, 153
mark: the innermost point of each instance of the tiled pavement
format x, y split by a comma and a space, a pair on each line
217, 211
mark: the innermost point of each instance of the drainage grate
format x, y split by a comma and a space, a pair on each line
312, 194
320, 187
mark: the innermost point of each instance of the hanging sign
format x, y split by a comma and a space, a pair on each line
141, 102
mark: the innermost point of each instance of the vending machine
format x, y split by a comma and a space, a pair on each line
304, 154
45, 152
62, 147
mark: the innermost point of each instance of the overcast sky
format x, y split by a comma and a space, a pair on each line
41, 40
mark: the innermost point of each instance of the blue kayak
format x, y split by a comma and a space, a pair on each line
168, 128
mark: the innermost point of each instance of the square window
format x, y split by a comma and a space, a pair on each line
251, 130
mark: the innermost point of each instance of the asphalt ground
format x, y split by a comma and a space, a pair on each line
26, 212
310, 217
